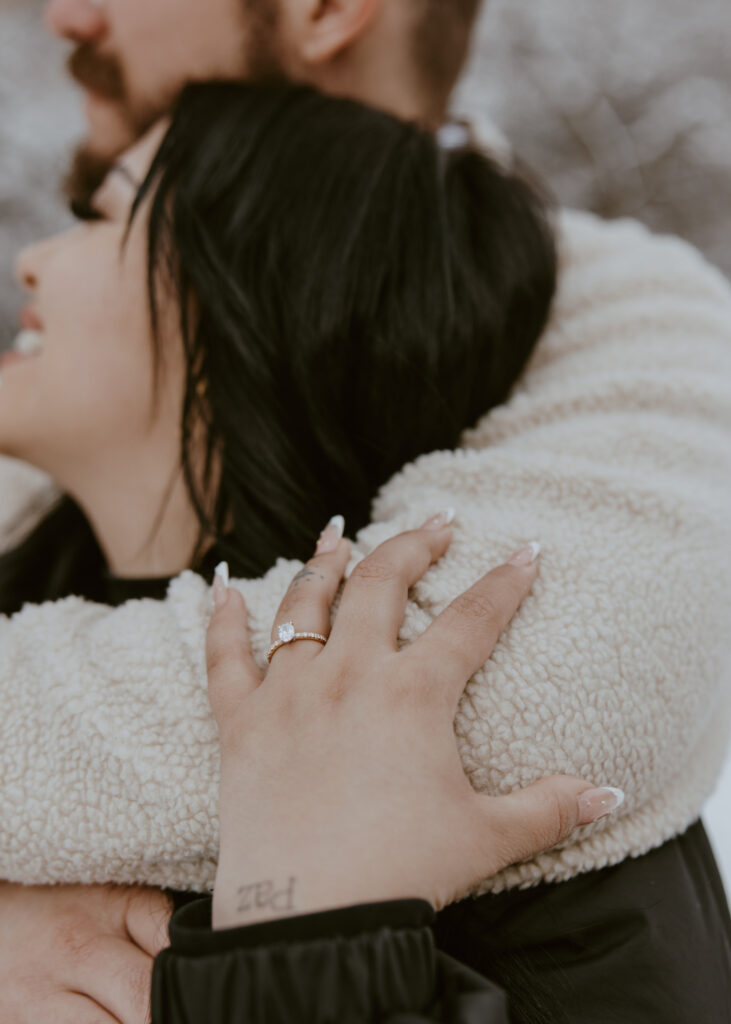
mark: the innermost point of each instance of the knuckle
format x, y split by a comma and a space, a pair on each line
376, 569
474, 605
559, 820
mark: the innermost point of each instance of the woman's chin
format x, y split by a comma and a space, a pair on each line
27, 348
22, 414
10, 445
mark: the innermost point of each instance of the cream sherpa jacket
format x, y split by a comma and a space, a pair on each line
614, 451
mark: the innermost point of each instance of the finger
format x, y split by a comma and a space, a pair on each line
71, 1008
309, 598
118, 976
374, 599
535, 819
147, 918
463, 637
232, 671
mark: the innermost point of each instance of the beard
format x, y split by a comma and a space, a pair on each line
103, 74
98, 72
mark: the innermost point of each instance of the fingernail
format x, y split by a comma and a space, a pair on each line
526, 556
220, 585
597, 803
331, 536
441, 520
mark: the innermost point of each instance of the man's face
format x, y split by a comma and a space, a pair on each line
132, 57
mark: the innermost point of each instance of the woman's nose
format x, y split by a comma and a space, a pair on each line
81, 21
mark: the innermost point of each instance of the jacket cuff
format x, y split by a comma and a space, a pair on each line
191, 931
354, 963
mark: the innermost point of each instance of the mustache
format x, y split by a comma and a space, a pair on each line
100, 73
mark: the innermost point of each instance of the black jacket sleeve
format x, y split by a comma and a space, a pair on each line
371, 963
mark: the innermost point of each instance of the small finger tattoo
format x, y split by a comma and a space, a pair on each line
306, 574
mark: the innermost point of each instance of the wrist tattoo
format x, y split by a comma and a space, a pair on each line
266, 896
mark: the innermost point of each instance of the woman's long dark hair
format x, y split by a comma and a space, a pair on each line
352, 295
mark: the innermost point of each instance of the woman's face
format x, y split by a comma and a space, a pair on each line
81, 389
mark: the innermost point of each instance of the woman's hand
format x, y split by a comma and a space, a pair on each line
79, 954
341, 782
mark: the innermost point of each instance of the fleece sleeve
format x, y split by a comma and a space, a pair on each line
614, 451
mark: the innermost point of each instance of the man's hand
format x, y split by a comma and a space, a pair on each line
77, 954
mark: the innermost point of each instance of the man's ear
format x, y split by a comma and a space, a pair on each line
326, 27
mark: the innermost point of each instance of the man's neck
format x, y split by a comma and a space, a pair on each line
377, 71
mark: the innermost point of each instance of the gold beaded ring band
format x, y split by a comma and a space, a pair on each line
287, 635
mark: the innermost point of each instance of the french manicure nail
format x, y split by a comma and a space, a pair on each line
597, 803
220, 585
331, 536
441, 520
527, 555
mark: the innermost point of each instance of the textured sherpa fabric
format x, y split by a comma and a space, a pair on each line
614, 451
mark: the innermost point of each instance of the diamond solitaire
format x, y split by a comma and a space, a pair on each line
286, 634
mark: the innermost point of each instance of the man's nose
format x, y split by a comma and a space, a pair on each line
81, 21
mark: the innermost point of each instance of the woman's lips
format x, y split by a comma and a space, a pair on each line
29, 321
27, 345
29, 342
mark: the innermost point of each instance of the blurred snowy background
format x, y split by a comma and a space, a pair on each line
623, 107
